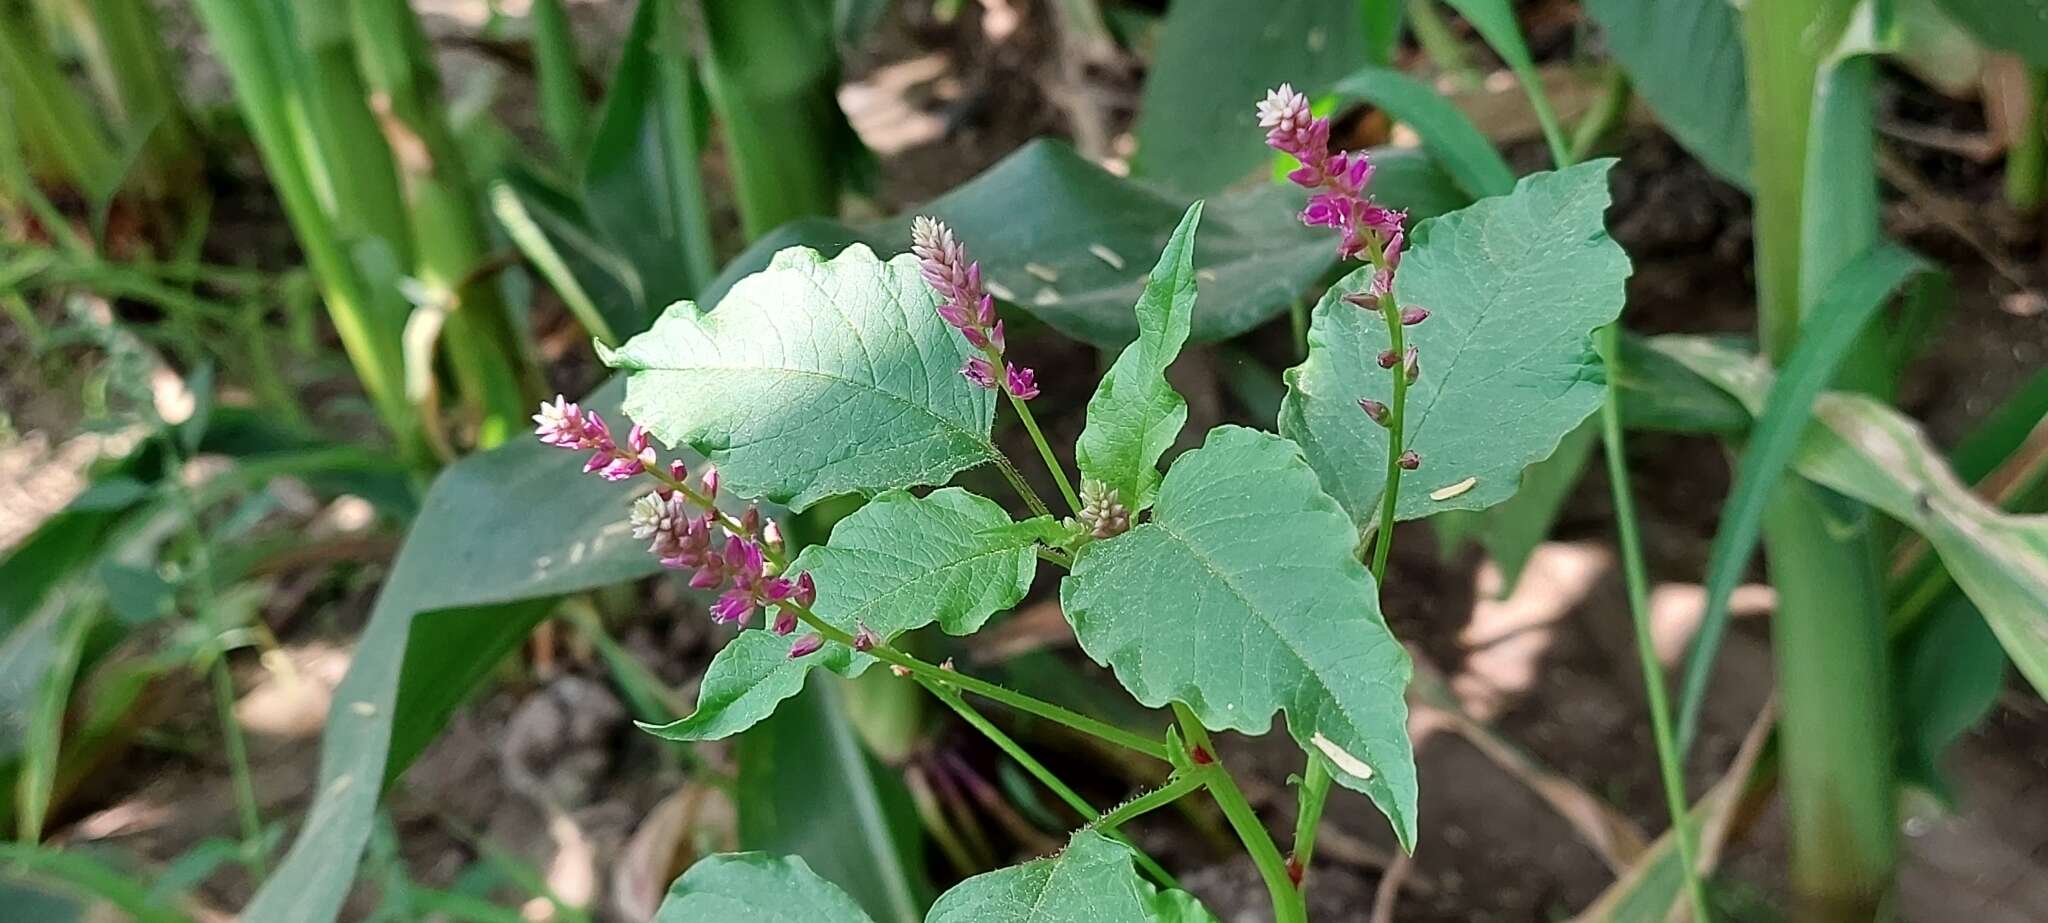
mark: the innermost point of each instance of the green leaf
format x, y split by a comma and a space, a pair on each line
1658, 393
807, 788
756, 887
1092, 880
900, 563
2018, 26
1241, 598
1951, 672
1135, 415
1216, 59
641, 184
813, 378
1446, 133
1685, 58
1871, 453
1825, 341
1060, 237
1494, 20
476, 572
1516, 284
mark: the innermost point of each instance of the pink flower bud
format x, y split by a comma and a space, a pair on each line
1411, 316
1021, 382
733, 606
806, 646
771, 535
785, 621
1370, 301
1411, 364
865, 639
708, 483
1409, 461
979, 372
975, 337
1375, 410
806, 590
1388, 359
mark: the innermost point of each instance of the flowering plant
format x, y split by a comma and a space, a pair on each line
1230, 587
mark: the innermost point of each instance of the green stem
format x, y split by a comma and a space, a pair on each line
1315, 793
1636, 577
1039, 771
1175, 788
1023, 487
2026, 164
238, 766
1287, 902
1052, 463
1606, 115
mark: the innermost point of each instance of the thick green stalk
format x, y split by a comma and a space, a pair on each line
248, 41
2026, 164
1834, 707
1273, 868
449, 233
1636, 575
1828, 634
772, 71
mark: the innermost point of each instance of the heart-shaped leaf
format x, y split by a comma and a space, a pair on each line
1515, 285
1135, 415
813, 378
1241, 598
758, 888
1092, 879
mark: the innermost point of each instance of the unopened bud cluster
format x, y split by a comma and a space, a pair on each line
1102, 511
967, 306
682, 525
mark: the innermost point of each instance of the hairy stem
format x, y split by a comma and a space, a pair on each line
1041, 772
1174, 789
1287, 903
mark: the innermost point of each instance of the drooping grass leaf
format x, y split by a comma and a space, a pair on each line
1869, 452
2018, 26
813, 378
1516, 284
552, 230
756, 887
1216, 59
1190, 607
1685, 58
1093, 879
1494, 20
807, 788
900, 563
1852, 299
1951, 677
1135, 415
1446, 133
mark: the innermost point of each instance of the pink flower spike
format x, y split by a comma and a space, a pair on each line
559, 424
1021, 382
980, 372
955, 315
806, 646
709, 576
785, 621
975, 337
806, 590
777, 589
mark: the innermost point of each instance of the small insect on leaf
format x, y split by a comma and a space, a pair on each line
1453, 490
